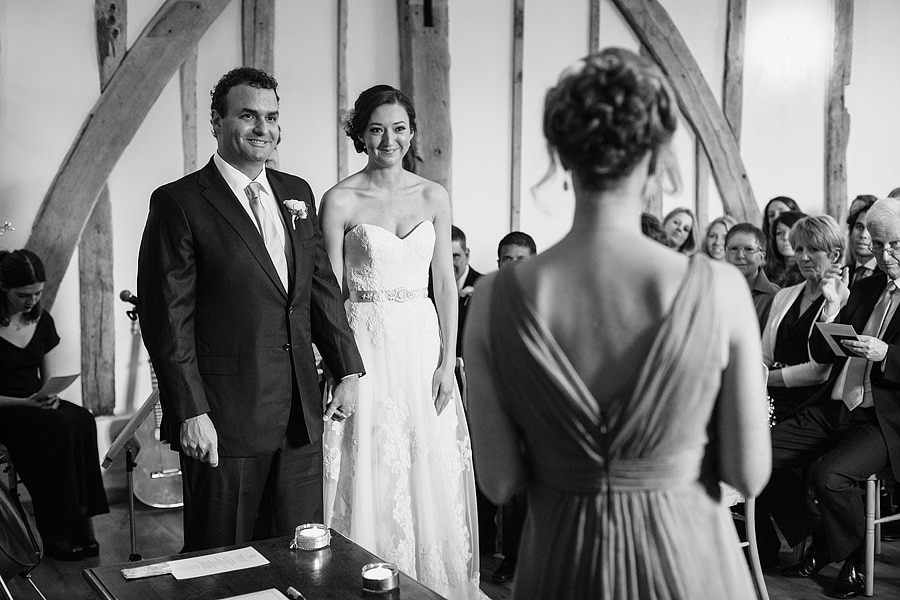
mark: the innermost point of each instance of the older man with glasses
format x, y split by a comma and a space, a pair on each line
851, 429
745, 248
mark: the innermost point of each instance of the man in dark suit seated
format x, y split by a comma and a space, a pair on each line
235, 286
852, 428
745, 248
859, 246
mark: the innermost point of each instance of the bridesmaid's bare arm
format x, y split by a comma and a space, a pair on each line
499, 465
745, 449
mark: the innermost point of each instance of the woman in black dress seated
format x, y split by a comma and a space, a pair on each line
53, 443
817, 242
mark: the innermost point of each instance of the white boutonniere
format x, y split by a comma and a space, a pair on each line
298, 210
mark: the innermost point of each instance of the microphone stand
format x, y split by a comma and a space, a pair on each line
125, 441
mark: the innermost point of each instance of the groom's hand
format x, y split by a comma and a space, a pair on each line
199, 439
343, 399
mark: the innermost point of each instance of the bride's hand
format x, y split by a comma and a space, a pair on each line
442, 387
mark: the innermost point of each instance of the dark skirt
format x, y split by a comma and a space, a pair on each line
55, 454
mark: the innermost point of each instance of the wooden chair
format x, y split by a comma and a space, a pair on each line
874, 520
732, 498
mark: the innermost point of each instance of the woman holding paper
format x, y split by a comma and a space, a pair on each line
53, 443
818, 243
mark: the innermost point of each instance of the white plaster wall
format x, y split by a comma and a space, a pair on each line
49, 82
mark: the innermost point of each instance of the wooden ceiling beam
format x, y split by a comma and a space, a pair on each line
109, 127
656, 31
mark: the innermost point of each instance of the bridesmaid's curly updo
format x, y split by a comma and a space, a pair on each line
606, 113
356, 119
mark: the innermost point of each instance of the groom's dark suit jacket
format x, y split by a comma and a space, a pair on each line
885, 375
223, 334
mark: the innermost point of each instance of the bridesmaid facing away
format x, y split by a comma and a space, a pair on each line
619, 405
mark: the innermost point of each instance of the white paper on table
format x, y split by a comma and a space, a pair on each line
834, 333
220, 562
55, 385
269, 594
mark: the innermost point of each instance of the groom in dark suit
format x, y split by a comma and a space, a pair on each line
234, 286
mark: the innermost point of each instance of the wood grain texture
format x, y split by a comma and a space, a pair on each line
701, 189
837, 119
98, 309
95, 246
258, 34
518, 63
594, 27
187, 79
656, 31
109, 127
343, 100
425, 78
733, 81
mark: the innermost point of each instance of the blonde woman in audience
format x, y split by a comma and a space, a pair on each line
818, 243
606, 404
681, 230
714, 240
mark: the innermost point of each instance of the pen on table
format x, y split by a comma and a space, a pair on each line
293, 594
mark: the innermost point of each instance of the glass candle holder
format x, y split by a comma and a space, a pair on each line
380, 578
311, 536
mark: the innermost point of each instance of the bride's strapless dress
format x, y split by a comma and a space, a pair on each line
398, 477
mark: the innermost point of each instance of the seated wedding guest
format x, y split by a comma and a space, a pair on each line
513, 248
860, 259
652, 228
52, 443
597, 394
852, 428
781, 265
774, 207
681, 233
714, 240
818, 243
745, 249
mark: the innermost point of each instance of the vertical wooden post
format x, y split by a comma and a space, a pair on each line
425, 78
342, 95
258, 34
594, 31
837, 119
733, 82
95, 247
515, 206
187, 78
701, 190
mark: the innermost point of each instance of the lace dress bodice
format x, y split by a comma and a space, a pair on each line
378, 260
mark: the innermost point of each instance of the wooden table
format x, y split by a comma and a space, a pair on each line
332, 573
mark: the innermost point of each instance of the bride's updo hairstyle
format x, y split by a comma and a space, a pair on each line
606, 113
356, 119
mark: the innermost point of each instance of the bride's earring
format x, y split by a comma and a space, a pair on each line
565, 181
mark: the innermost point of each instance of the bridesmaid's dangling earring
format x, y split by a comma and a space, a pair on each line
565, 181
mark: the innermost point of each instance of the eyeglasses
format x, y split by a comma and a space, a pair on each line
747, 250
892, 247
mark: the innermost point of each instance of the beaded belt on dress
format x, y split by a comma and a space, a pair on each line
394, 295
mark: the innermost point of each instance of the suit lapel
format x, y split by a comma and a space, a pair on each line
220, 196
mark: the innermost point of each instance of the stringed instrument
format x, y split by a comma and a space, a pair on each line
157, 469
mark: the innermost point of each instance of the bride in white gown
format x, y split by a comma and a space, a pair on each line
398, 470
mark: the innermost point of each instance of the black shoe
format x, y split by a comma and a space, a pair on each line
63, 550
814, 560
505, 571
850, 582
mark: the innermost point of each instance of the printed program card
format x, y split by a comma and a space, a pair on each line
836, 332
221, 562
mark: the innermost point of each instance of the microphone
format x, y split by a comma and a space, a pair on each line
127, 296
